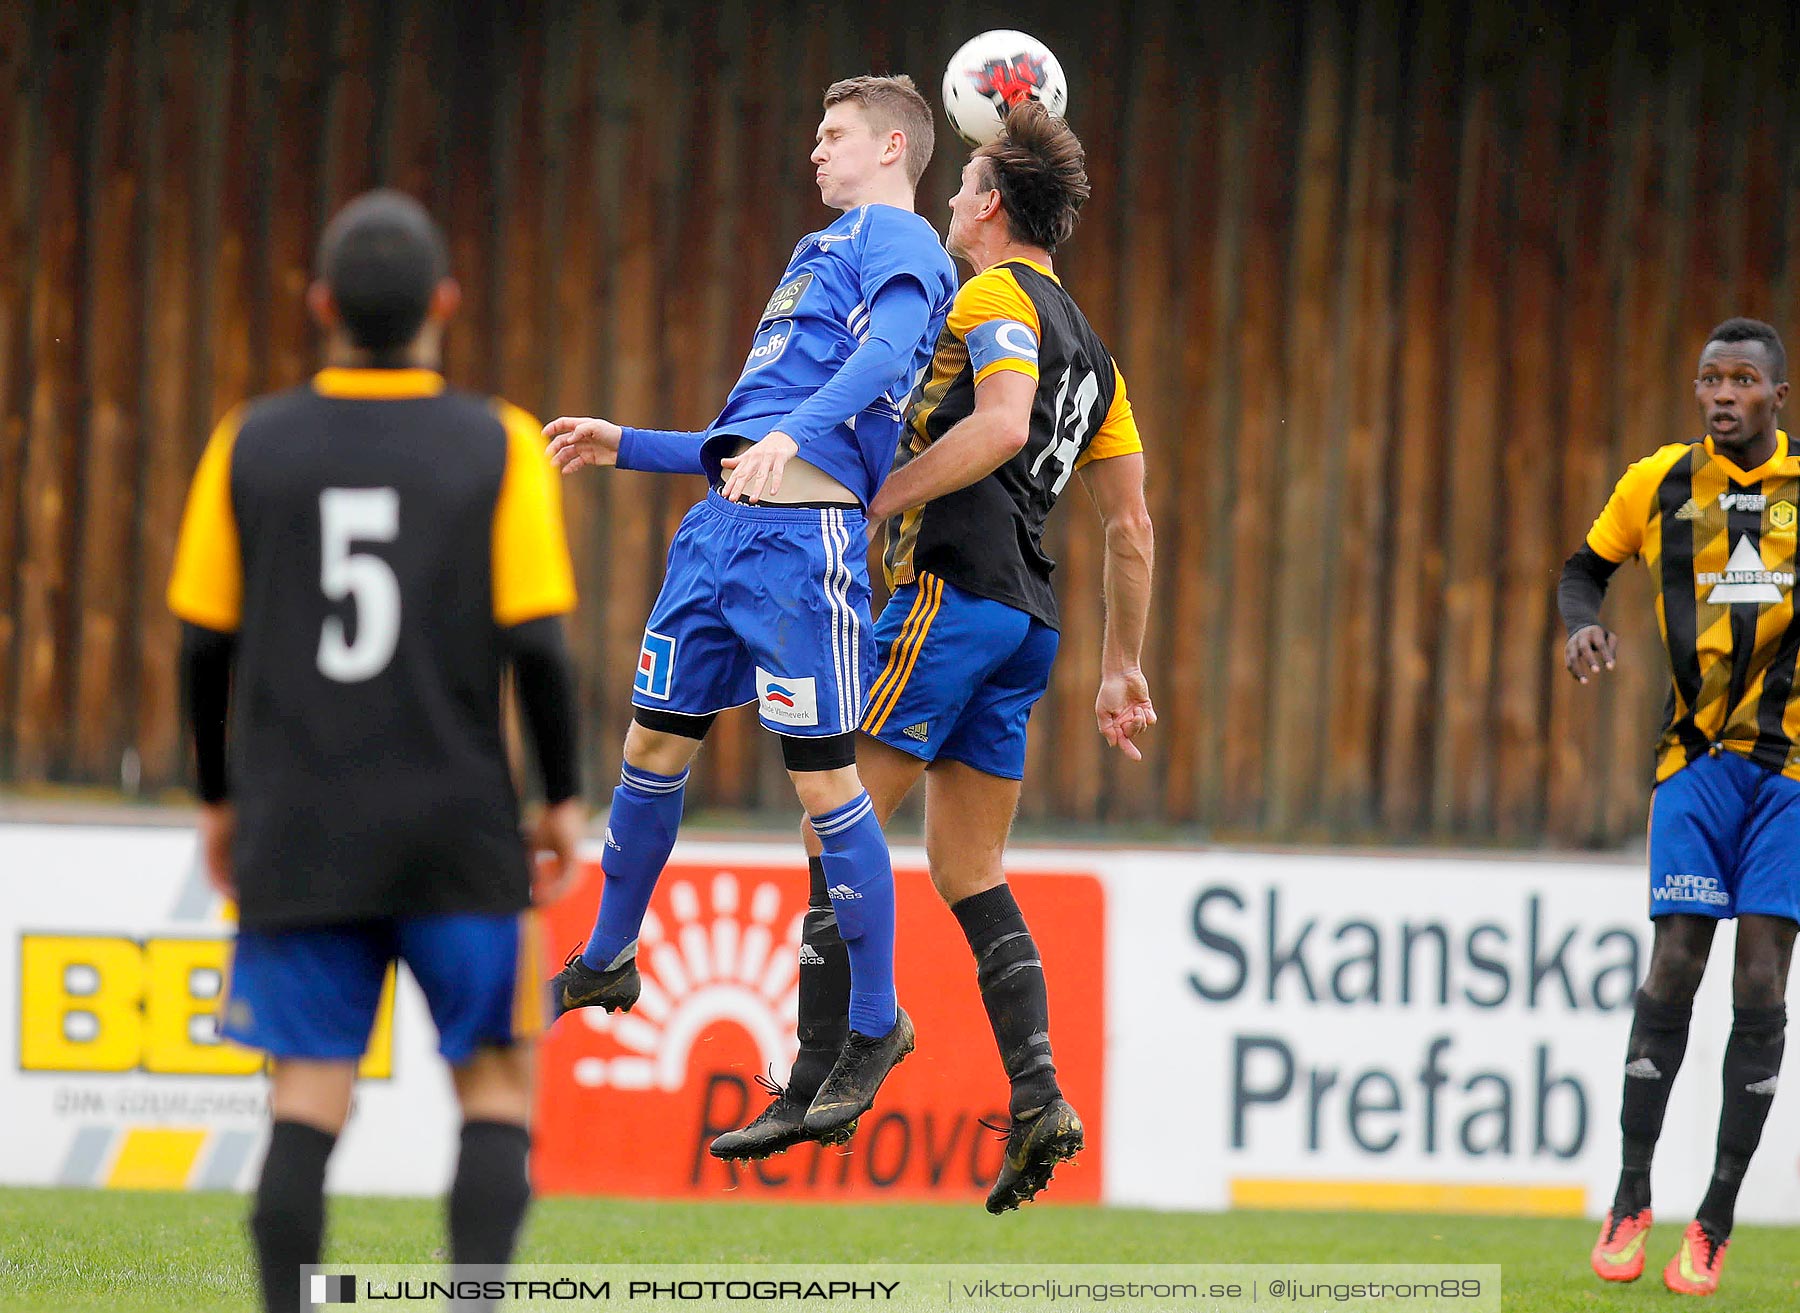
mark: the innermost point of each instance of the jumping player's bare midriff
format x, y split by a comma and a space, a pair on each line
802, 482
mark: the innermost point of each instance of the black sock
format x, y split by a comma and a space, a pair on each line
824, 990
1752, 1064
491, 1191
287, 1222
1012, 989
1659, 1035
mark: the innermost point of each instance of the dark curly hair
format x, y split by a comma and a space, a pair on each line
1040, 170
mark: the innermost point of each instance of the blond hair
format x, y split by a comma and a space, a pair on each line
892, 104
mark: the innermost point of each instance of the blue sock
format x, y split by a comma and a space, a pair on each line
860, 879
640, 834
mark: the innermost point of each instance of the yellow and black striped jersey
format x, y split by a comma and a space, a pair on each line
367, 538
1719, 543
987, 538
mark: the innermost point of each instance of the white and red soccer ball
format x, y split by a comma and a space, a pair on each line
994, 72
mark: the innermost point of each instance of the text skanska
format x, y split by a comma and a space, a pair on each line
1530, 961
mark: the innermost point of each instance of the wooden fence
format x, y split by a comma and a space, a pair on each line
1399, 290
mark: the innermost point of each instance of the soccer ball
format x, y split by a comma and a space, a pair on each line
992, 73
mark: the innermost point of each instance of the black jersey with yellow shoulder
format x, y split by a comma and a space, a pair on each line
367, 538
1719, 543
987, 538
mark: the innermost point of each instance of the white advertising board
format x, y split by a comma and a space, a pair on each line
111, 1073
1322, 1031
1317, 1030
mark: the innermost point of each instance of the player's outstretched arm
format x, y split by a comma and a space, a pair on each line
576, 441
1122, 709
1590, 646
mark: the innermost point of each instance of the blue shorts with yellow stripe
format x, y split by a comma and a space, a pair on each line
959, 676
312, 992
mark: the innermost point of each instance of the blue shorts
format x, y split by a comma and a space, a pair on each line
312, 992
1725, 841
764, 604
959, 676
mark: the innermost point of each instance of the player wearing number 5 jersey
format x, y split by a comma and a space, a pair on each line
361, 560
1021, 394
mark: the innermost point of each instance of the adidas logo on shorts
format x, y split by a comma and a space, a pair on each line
843, 893
921, 731
810, 956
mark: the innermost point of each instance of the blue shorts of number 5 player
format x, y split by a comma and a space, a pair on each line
959, 676
313, 991
764, 604
1725, 841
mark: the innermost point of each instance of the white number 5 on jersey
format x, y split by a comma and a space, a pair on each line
347, 516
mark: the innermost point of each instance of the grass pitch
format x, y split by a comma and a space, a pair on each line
157, 1253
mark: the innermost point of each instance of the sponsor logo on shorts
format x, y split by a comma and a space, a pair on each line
921, 731
1685, 888
787, 701
656, 666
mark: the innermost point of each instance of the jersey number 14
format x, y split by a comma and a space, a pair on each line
1071, 428
348, 516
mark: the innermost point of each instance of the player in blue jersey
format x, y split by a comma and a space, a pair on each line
766, 596
1021, 396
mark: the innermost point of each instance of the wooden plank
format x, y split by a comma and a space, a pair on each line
1263, 387
1469, 528
1146, 305
1184, 437
415, 141
169, 171
352, 104
21, 81
1415, 577
1531, 542
1367, 329
1588, 468
635, 86
110, 316
1303, 554
294, 221
1649, 286
52, 465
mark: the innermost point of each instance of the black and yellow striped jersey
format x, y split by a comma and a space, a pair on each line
1719, 543
987, 538
368, 538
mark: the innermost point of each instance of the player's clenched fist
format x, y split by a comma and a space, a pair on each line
576, 441
1589, 649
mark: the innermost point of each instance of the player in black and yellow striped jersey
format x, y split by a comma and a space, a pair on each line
361, 560
1020, 395
1714, 521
